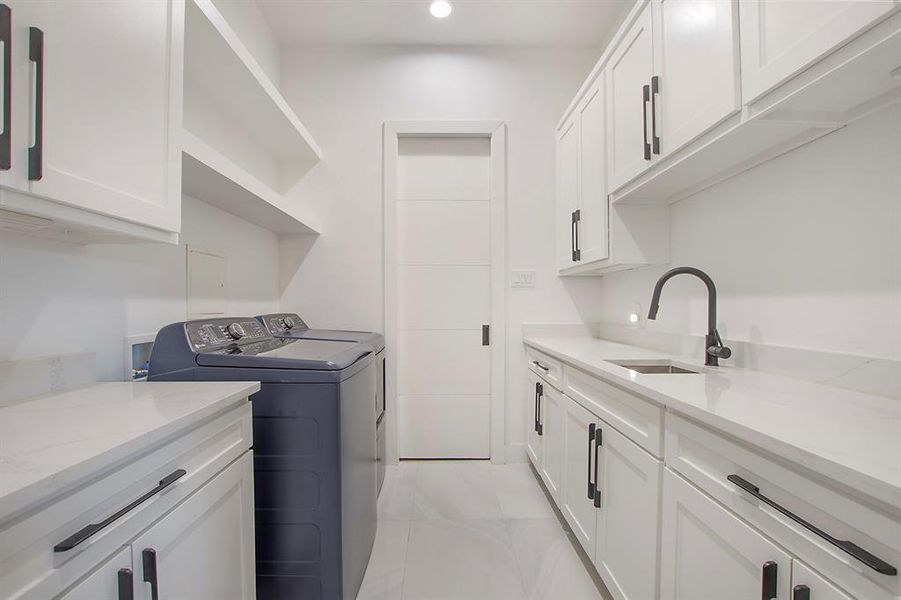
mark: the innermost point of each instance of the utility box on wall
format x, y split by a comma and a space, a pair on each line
206, 289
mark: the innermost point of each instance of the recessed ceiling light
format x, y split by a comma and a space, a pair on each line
440, 9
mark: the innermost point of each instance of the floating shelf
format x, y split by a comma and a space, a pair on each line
234, 107
210, 176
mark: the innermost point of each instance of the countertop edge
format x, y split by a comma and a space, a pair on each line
862, 483
50, 487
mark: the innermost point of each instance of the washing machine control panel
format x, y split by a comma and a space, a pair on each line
282, 323
210, 334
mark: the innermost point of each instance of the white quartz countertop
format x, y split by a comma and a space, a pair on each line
847, 436
50, 443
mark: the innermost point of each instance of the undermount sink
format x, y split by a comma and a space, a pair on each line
653, 368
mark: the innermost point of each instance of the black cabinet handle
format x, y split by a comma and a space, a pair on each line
655, 91
541, 366
540, 396
591, 428
645, 97
89, 530
577, 219
801, 592
572, 235
870, 560
36, 152
6, 35
148, 560
769, 581
125, 586
598, 441
535, 423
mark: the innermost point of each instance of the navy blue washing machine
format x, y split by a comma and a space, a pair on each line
290, 325
315, 472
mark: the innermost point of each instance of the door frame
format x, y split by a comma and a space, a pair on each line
496, 132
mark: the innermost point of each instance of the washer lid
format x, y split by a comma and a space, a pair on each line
319, 355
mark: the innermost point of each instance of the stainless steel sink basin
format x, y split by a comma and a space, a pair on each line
653, 368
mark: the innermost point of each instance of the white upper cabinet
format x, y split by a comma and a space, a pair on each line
592, 225
780, 38
696, 69
109, 76
629, 75
567, 192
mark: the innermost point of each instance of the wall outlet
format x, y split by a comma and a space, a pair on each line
522, 278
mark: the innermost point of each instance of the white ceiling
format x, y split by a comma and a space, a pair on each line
473, 22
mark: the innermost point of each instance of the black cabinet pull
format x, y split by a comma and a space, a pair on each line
6, 35
577, 219
535, 420
801, 592
591, 428
769, 581
655, 91
89, 530
572, 235
125, 587
870, 560
598, 441
540, 395
645, 97
486, 335
36, 152
541, 366
148, 560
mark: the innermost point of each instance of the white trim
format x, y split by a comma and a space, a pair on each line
496, 132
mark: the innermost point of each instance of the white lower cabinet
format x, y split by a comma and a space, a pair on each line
709, 553
808, 585
203, 548
578, 489
533, 438
112, 581
628, 492
553, 443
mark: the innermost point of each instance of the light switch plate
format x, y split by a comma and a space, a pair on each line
522, 278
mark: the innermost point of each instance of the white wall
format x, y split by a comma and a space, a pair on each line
344, 95
57, 297
805, 249
246, 18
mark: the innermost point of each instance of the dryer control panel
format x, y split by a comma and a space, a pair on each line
208, 334
282, 323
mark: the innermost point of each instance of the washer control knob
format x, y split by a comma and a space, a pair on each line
289, 322
236, 330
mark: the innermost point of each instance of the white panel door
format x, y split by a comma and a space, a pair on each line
105, 583
578, 484
551, 407
630, 70
593, 207
204, 548
443, 297
780, 38
697, 66
708, 552
628, 492
567, 191
808, 585
112, 107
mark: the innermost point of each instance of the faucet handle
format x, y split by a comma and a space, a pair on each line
719, 351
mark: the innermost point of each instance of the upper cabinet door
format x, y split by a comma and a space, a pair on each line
696, 61
628, 93
567, 191
593, 207
780, 38
111, 81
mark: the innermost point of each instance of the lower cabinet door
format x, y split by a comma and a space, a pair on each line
628, 495
204, 548
552, 449
708, 552
808, 585
112, 581
533, 438
578, 485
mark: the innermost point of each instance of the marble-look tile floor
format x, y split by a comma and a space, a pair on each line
471, 530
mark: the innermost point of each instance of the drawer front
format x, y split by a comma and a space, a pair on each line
549, 369
639, 420
29, 567
707, 459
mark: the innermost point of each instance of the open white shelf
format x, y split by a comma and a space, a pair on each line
233, 106
210, 176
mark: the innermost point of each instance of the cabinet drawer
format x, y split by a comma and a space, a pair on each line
639, 420
29, 566
550, 369
707, 459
